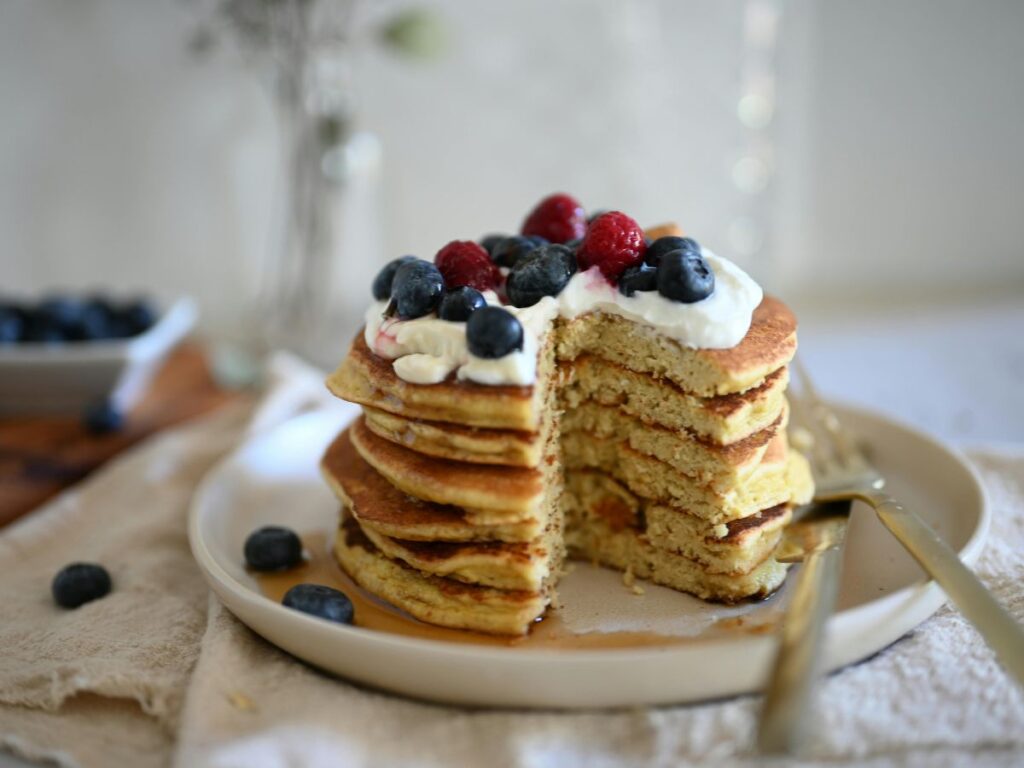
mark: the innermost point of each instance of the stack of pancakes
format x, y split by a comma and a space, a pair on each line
461, 501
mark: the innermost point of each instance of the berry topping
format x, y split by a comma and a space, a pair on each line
642, 277
459, 304
612, 242
489, 241
383, 282
508, 252
493, 332
465, 263
80, 583
557, 218
544, 272
417, 289
102, 417
320, 601
273, 548
685, 276
663, 245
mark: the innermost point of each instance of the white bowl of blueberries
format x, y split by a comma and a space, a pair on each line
90, 355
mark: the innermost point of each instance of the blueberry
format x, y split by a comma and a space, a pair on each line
511, 250
102, 418
417, 289
139, 316
685, 276
383, 282
43, 328
12, 324
544, 272
574, 245
537, 240
80, 583
320, 601
459, 304
663, 245
489, 241
63, 311
273, 548
493, 332
642, 277
95, 322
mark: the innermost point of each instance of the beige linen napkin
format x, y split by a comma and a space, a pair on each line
159, 672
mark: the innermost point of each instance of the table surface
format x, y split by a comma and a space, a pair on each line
955, 371
41, 456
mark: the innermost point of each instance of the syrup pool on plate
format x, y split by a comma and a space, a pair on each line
548, 633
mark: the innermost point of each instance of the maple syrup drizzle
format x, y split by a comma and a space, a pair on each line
549, 632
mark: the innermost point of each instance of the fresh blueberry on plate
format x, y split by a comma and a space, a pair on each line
545, 272
685, 276
80, 583
493, 332
458, 305
416, 289
383, 282
273, 548
320, 601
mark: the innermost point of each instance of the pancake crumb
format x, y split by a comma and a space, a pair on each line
241, 702
628, 578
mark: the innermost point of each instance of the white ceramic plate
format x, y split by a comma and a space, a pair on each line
274, 479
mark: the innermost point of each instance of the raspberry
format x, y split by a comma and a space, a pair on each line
557, 218
613, 242
463, 262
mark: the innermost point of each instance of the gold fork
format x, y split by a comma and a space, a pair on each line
843, 474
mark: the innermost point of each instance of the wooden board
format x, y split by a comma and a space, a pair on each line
41, 456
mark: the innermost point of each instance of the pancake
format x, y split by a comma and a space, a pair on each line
721, 467
435, 599
382, 507
366, 379
369, 380
628, 550
769, 345
724, 419
492, 493
783, 477
519, 565
476, 445
732, 548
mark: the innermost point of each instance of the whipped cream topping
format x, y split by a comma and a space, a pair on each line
427, 350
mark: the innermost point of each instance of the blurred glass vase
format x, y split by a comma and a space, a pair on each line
326, 237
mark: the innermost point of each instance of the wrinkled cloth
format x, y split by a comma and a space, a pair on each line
159, 673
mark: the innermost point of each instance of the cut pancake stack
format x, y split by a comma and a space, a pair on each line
461, 501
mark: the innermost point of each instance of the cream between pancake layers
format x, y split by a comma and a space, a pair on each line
461, 500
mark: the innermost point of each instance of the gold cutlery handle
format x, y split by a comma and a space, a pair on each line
786, 710
1004, 635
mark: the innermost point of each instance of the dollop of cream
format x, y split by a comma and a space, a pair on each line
427, 350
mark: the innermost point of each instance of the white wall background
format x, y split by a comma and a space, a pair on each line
897, 161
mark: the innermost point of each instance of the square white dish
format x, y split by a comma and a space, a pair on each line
40, 378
